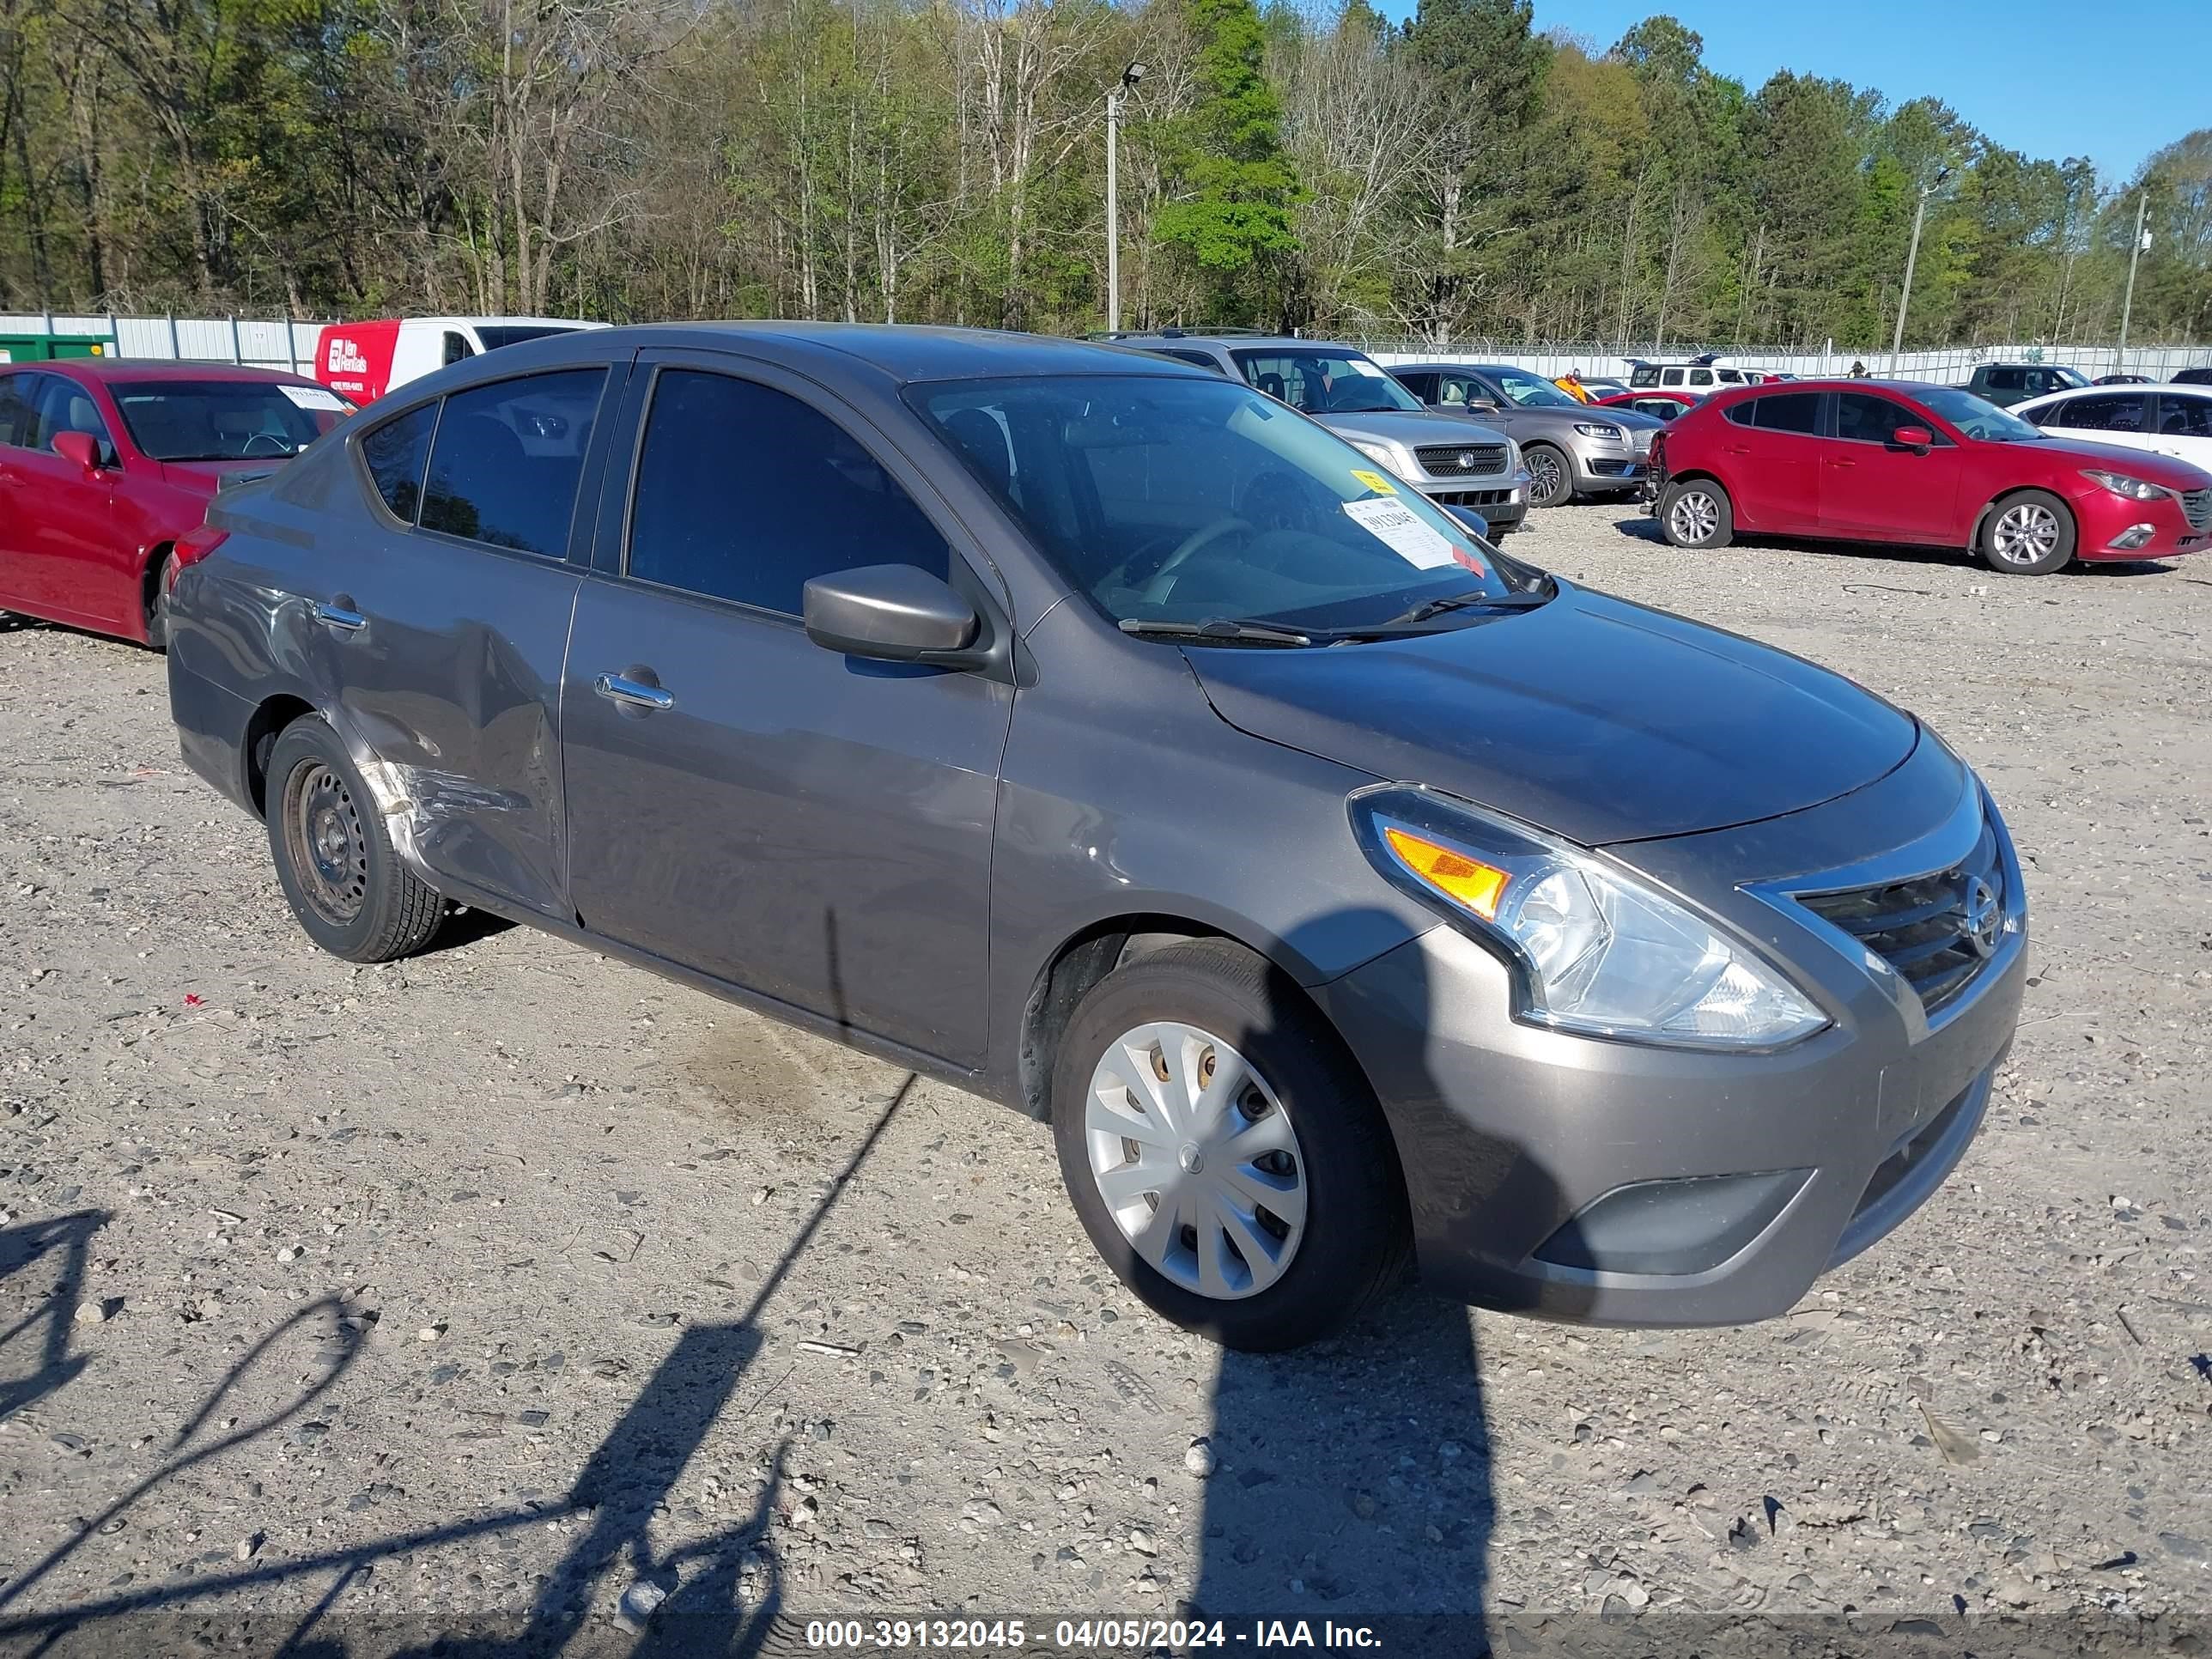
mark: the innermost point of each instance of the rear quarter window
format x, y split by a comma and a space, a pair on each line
395, 454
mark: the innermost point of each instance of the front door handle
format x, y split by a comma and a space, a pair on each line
631, 694
345, 620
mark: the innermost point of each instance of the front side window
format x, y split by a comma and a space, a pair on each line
508, 458
1186, 502
1862, 417
395, 454
66, 406
1326, 382
2116, 411
1788, 411
225, 420
2181, 417
744, 493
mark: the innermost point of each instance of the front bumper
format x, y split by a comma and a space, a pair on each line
1599, 469
2109, 527
1617, 1184
1504, 503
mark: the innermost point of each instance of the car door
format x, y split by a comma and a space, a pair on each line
1771, 445
1875, 486
66, 561
19, 484
443, 633
2185, 427
812, 827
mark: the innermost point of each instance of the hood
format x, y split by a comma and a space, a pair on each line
1594, 718
208, 476
1409, 426
1564, 419
2152, 467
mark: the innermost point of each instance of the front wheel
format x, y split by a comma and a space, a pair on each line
1551, 478
1224, 1153
334, 856
1696, 513
2030, 534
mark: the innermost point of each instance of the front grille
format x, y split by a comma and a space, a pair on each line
2197, 508
1469, 498
1921, 926
1462, 460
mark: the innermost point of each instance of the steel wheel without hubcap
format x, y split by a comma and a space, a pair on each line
1196, 1160
1694, 516
328, 846
2025, 533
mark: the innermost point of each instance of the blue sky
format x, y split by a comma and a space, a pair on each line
2113, 81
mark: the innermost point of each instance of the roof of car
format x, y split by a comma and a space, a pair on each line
903, 352
1235, 340
162, 369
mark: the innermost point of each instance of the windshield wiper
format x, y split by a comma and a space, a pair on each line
1227, 629
1428, 608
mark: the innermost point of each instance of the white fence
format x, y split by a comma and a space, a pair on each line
280, 345
257, 344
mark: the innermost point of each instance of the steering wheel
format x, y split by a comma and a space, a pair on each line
282, 448
1156, 590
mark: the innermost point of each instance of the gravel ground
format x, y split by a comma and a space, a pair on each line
358, 1305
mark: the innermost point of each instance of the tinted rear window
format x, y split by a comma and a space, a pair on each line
508, 458
395, 453
1788, 411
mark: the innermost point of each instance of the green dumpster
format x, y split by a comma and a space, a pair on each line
45, 347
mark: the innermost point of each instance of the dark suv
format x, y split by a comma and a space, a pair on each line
1452, 460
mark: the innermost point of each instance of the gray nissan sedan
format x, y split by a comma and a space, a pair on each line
1110, 739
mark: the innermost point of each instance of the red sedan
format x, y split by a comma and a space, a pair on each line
104, 463
1869, 461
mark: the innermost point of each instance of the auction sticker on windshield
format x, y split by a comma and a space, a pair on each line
314, 397
1410, 540
1373, 481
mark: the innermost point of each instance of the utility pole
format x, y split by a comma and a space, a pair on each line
1130, 77
1912, 259
2128, 305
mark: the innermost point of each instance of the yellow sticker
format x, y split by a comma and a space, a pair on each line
1375, 482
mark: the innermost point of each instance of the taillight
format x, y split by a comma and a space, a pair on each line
193, 546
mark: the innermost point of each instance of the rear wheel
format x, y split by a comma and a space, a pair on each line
2030, 534
1697, 512
1551, 478
157, 603
1224, 1153
334, 856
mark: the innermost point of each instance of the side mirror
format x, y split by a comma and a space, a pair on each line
890, 613
81, 447
1917, 439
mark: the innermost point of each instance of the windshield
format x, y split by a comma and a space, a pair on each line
497, 335
1977, 417
1189, 501
1326, 382
2069, 377
1530, 390
226, 420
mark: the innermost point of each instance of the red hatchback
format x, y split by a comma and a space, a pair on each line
1880, 461
104, 464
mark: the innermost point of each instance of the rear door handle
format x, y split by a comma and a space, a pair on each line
631, 694
338, 616
1842, 463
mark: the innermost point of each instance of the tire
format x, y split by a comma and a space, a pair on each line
1319, 1139
157, 611
1551, 475
1697, 513
2029, 533
334, 856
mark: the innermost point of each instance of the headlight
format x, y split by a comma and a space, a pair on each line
1598, 951
2135, 489
1382, 454
1598, 429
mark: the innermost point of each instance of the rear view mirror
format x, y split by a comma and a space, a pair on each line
890, 613
79, 446
1917, 439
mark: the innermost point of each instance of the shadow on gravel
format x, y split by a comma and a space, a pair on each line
684, 1602
22, 1247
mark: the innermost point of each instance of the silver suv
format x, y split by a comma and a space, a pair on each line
1452, 460
1570, 448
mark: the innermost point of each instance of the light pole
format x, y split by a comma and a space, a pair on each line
1130, 77
1912, 259
2128, 305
